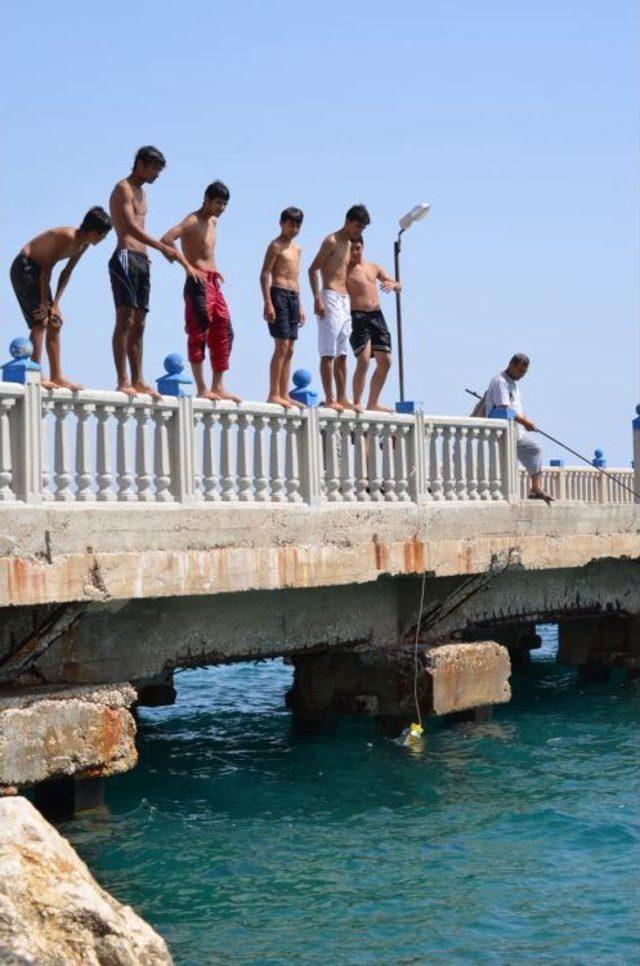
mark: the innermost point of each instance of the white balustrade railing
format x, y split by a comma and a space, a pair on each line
104, 447
584, 484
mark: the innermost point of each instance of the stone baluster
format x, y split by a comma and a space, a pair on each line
292, 459
161, 460
144, 476
495, 483
123, 456
260, 476
483, 467
471, 465
401, 473
6, 463
47, 408
227, 476
104, 469
209, 463
278, 494
389, 440
332, 476
84, 475
347, 482
435, 462
62, 460
243, 460
198, 475
459, 447
375, 462
634, 482
449, 483
360, 467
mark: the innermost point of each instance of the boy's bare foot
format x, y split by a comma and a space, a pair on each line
63, 383
208, 394
333, 404
294, 403
143, 389
47, 384
347, 404
377, 408
223, 394
276, 400
126, 387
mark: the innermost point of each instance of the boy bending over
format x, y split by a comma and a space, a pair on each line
207, 320
369, 332
31, 276
279, 280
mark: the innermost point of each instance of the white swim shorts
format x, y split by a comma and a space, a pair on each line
334, 327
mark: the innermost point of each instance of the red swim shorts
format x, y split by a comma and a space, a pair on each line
207, 322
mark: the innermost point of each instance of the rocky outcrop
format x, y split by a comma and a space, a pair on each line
52, 911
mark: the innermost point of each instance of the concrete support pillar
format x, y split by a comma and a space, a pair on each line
155, 692
63, 798
636, 452
519, 639
380, 683
600, 642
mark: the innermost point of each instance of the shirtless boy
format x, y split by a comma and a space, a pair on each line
279, 281
31, 276
129, 268
331, 305
207, 320
369, 332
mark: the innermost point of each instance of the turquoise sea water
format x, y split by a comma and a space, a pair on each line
510, 841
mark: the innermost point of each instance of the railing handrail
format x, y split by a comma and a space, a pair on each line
103, 445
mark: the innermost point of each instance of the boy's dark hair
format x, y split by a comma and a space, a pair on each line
148, 154
216, 190
358, 213
96, 219
359, 240
292, 214
519, 359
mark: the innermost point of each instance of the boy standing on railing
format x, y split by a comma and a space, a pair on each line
31, 276
369, 332
207, 319
280, 284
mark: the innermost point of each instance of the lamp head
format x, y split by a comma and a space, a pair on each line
416, 214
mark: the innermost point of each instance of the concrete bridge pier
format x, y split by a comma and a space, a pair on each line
376, 682
519, 639
600, 643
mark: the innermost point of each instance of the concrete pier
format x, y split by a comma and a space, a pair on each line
224, 533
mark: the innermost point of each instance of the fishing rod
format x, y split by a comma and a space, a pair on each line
574, 453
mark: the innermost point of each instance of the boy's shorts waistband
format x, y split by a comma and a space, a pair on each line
132, 251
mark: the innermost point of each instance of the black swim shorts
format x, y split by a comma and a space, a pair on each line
130, 278
369, 327
25, 278
287, 306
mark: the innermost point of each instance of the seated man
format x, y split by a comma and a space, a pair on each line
504, 391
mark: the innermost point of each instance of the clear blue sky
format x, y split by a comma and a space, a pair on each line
517, 121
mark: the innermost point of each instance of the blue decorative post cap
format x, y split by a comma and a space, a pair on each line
171, 383
598, 459
301, 393
556, 462
502, 412
409, 406
636, 422
20, 363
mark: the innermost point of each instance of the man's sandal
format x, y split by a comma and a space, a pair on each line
538, 495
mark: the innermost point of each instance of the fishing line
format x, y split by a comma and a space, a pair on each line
574, 452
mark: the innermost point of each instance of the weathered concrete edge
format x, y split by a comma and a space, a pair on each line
302, 550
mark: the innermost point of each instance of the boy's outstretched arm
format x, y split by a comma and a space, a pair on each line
316, 265
387, 282
169, 240
269, 313
63, 279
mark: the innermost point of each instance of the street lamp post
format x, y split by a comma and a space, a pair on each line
416, 214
